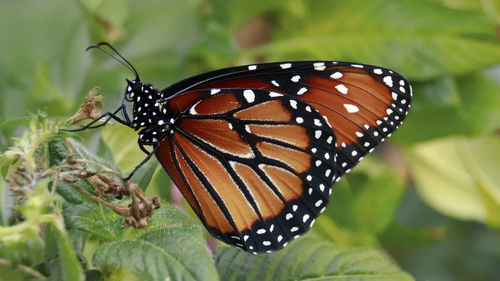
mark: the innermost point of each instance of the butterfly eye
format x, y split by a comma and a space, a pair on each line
129, 94
129, 97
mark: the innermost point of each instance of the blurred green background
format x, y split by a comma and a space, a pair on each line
430, 197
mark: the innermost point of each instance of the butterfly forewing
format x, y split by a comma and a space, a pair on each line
363, 104
256, 165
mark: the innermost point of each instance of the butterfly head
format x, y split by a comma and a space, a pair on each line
141, 94
134, 91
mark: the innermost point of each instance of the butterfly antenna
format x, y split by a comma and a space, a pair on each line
122, 60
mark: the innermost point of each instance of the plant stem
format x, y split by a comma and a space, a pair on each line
25, 269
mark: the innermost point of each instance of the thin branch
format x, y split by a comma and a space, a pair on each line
25, 269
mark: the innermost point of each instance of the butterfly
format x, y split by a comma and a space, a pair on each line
256, 149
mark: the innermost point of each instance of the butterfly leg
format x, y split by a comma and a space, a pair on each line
142, 162
108, 116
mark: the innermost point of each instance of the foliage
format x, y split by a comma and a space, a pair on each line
306, 259
428, 202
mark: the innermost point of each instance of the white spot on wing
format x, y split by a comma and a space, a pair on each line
302, 91
327, 122
319, 66
341, 88
252, 67
388, 81
249, 95
305, 217
351, 108
285, 65
336, 75
192, 111
295, 78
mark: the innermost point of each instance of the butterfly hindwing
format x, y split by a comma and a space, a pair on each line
256, 165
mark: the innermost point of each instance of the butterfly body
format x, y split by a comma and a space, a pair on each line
256, 149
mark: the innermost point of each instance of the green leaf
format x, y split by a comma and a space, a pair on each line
308, 258
366, 199
113, 11
235, 13
122, 141
144, 175
479, 101
459, 177
160, 184
491, 8
60, 259
11, 274
463, 105
402, 237
3, 207
84, 214
46, 95
460, 4
420, 39
58, 153
215, 48
332, 231
72, 62
174, 251
79, 211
